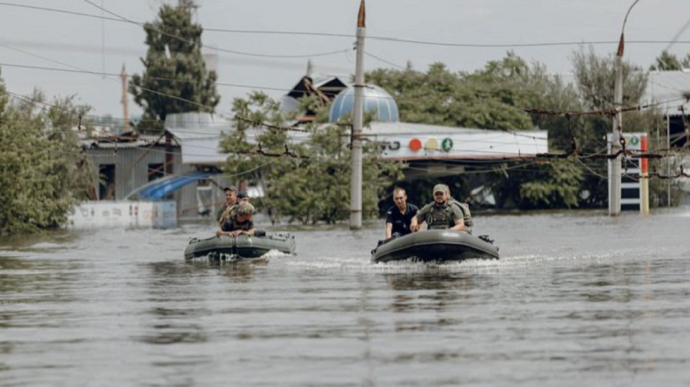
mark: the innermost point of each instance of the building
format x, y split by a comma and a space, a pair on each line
669, 91
134, 168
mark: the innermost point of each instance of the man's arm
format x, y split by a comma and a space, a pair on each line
458, 217
418, 219
389, 230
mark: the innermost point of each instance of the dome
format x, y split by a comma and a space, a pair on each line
375, 99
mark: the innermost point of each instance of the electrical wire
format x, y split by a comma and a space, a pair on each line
177, 37
352, 36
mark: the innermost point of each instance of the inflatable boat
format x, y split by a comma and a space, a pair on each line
240, 247
435, 246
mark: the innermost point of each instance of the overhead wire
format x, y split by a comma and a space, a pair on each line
215, 48
639, 107
352, 36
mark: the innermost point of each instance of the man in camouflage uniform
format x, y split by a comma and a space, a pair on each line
230, 200
440, 214
237, 220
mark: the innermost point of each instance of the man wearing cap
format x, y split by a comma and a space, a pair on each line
439, 214
230, 200
239, 221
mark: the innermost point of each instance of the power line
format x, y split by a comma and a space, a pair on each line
351, 36
174, 36
31, 67
384, 61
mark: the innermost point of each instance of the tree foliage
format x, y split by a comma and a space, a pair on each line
495, 97
176, 79
669, 62
595, 77
43, 172
300, 189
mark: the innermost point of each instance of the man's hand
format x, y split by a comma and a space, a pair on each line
414, 227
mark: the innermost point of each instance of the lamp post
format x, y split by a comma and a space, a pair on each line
356, 177
616, 135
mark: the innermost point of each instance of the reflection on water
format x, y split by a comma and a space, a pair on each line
563, 306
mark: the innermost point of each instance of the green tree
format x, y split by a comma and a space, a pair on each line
311, 188
670, 62
175, 79
43, 171
496, 98
439, 97
595, 78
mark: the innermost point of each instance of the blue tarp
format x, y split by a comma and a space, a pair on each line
161, 188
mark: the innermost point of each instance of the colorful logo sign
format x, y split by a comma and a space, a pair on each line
431, 144
447, 144
415, 145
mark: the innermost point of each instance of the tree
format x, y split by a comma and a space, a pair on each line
496, 98
439, 97
313, 187
669, 62
595, 78
43, 171
175, 79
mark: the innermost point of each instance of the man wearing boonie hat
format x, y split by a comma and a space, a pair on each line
242, 196
439, 214
239, 221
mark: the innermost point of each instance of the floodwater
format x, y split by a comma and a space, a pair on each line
577, 298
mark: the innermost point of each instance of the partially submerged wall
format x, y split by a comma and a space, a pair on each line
125, 214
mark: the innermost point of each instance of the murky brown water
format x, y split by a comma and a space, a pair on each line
577, 298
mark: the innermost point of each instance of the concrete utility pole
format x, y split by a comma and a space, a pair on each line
125, 102
356, 179
615, 174
616, 136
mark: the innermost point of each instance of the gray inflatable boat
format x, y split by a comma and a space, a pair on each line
240, 247
435, 246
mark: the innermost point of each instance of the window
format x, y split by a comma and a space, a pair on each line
156, 171
106, 176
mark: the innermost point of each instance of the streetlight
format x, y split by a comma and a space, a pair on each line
616, 135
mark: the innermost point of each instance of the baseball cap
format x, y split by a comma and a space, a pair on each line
230, 188
440, 188
242, 194
245, 208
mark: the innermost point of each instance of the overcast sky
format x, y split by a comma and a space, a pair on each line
59, 40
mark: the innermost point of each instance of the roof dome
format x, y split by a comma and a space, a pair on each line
375, 99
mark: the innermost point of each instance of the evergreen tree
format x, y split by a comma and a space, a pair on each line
175, 79
667, 62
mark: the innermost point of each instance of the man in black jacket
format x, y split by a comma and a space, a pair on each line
400, 215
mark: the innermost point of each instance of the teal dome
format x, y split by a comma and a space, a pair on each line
375, 99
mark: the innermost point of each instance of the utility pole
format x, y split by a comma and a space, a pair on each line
356, 178
125, 102
617, 135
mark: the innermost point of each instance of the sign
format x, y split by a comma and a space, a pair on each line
415, 145
431, 144
447, 144
630, 187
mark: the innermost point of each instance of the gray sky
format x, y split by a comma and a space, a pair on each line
104, 46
